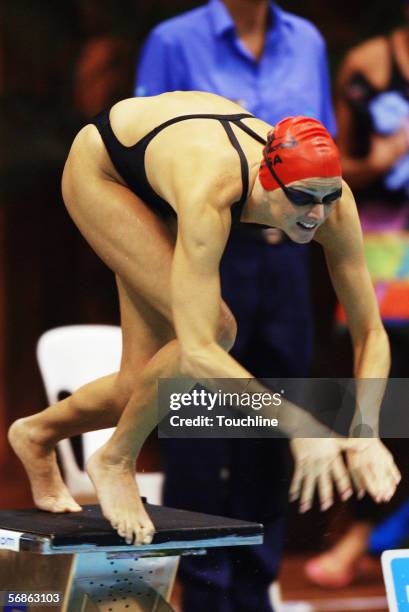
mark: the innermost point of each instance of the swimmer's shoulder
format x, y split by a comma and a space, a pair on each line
210, 172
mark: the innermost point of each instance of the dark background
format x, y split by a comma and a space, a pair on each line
61, 63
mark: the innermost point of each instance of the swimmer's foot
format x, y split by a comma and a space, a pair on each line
119, 497
48, 488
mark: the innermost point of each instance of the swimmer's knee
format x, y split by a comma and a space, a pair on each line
227, 330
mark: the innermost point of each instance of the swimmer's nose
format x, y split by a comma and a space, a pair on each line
317, 212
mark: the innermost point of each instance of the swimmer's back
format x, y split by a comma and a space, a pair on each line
133, 118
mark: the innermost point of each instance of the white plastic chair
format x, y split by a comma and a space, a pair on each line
72, 356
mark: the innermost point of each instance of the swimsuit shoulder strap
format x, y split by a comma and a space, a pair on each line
237, 207
249, 131
150, 135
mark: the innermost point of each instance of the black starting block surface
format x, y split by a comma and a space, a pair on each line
89, 527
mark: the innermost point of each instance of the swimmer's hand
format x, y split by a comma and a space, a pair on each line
372, 468
319, 462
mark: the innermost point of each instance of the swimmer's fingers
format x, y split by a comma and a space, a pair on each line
373, 465
296, 483
326, 490
359, 486
313, 461
394, 476
307, 493
374, 484
341, 478
372, 479
395, 473
389, 482
381, 483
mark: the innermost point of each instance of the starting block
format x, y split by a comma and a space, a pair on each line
76, 562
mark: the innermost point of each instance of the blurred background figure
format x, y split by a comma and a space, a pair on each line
274, 64
373, 123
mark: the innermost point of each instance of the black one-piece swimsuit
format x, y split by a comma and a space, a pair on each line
130, 161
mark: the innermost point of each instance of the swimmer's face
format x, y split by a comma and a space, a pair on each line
300, 223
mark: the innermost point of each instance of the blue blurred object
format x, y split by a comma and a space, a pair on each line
388, 111
392, 533
398, 177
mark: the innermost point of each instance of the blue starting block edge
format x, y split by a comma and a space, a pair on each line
27, 542
36, 531
395, 569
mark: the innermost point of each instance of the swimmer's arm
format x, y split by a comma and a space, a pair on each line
196, 302
196, 293
341, 239
203, 202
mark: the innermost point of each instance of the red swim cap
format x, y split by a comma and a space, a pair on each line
299, 148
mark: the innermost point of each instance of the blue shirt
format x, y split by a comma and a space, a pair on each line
199, 50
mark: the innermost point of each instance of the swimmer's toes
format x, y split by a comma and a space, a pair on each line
147, 531
72, 508
51, 504
131, 535
121, 529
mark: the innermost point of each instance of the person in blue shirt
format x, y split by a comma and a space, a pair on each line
274, 64
285, 73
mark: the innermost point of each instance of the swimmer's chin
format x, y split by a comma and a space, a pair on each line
300, 239
305, 240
